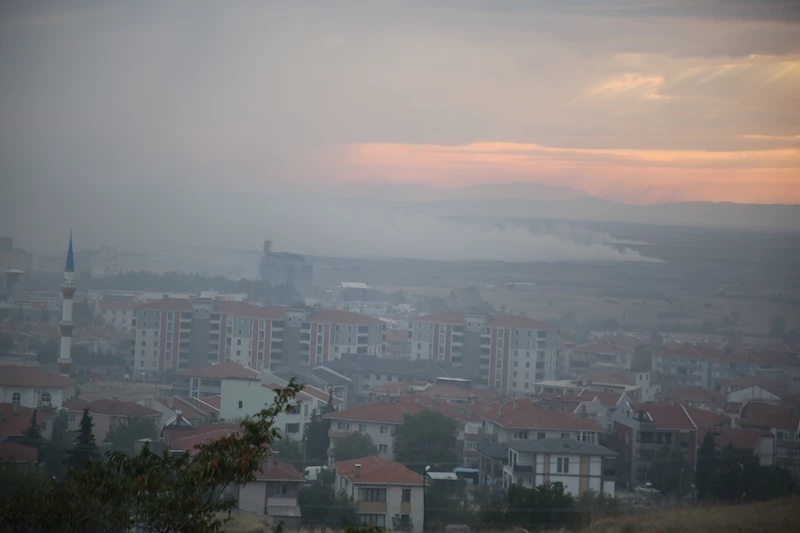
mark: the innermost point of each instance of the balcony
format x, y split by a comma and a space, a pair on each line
338, 433
523, 469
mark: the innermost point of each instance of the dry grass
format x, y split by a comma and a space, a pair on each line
771, 517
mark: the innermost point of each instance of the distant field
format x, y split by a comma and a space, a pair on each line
129, 392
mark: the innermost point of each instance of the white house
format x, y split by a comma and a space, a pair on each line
273, 493
578, 466
385, 492
34, 387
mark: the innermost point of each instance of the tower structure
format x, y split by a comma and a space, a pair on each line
67, 291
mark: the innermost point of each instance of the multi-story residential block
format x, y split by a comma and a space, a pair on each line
698, 366
379, 420
172, 335
642, 430
207, 380
382, 490
759, 442
505, 352
595, 357
398, 344
118, 313
34, 387
638, 386
577, 466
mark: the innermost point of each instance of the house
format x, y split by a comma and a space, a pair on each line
273, 493
194, 410
18, 453
34, 387
522, 419
379, 420
607, 404
756, 388
759, 442
320, 377
382, 490
107, 414
784, 424
181, 437
207, 380
14, 419
577, 466
697, 396
493, 457
638, 386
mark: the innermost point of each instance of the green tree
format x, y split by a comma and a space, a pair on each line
777, 327
544, 507
16, 478
642, 359
427, 438
319, 505
399, 523
6, 342
317, 440
164, 493
354, 446
668, 470
53, 453
705, 473
124, 435
84, 448
48, 353
33, 433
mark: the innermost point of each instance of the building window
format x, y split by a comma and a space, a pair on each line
563, 465
293, 428
471, 444
71, 418
522, 434
343, 426
372, 495
45, 399
241, 404
362, 428
384, 430
373, 519
565, 435
383, 448
406, 495
541, 435
16, 398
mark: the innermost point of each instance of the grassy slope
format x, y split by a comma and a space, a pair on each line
771, 517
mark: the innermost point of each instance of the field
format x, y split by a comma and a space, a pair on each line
129, 392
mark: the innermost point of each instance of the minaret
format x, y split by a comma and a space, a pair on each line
68, 291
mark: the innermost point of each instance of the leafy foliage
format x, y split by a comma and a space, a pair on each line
33, 433
402, 524
354, 446
316, 434
544, 507
84, 449
319, 505
427, 438
124, 435
669, 471
158, 493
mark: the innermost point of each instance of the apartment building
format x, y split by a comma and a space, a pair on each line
383, 490
117, 314
207, 380
698, 366
176, 334
508, 353
577, 466
379, 420
784, 424
595, 357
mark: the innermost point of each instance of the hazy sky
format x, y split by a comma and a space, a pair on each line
641, 101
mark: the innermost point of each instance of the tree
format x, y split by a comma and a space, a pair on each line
84, 449
48, 353
402, 524
427, 438
6, 342
33, 433
18, 478
354, 446
164, 493
705, 474
544, 507
642, 359
319, 505
317, 440
124, 435
668, 470
777, 327
52, 454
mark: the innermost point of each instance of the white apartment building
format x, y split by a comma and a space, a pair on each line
118, 314
174, 335
505, 352
379, 420
382, 490
577, 466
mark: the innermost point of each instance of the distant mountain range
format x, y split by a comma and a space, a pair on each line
528, 200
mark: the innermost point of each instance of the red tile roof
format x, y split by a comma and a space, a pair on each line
116, 305
200, 405
689, 394
447, 317
338, 316
246, 309
14, 424
758, 408
665, 415
186, 438
777, 388
375, 470
624, 341
693, 352
453, 392
609, 379
382, 412
28, 376
280, 471
519, 322
773, 358
167, 304
706, 418
395, 387
742, 439
785, 419
606, 399
224, 370
213, 401
19, 453
528, 416
733, 408
108, 407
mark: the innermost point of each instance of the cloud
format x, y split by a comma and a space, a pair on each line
631, 85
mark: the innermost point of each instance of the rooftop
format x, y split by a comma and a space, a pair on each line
109, 407
28, 376
224, 370
523, 414
375, 470
742, 439
606, 399
279, 471
571, 446
664, 415
785, 419
186, 438
13, 425
338, 316
19, 453
381, 412
167, 304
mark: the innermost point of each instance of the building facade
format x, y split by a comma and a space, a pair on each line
505, 352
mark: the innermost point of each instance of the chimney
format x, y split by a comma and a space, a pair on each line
358, 469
